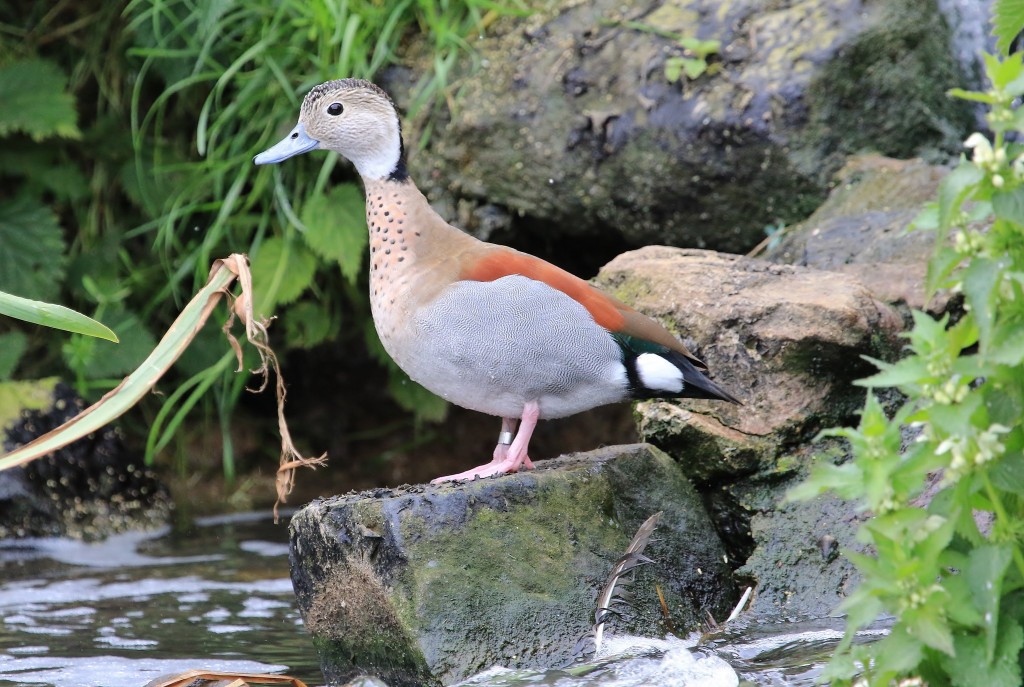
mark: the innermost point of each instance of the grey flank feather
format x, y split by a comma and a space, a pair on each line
632, 559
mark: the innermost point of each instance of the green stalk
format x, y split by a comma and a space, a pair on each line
997, 506
136, 385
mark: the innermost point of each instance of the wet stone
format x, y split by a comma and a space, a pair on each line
862, 230
430, 584
90, 489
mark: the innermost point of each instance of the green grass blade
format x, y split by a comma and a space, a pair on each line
54, 316
136, 385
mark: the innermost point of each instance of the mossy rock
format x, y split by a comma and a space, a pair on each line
570, 131
862, 230
885, 91
796, 555
431, 584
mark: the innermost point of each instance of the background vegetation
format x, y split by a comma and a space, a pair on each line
942, 475
128, 132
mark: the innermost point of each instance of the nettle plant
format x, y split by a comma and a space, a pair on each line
948, 564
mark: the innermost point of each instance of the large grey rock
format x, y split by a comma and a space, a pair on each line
89, 489
862, 230
794, 548
430, 584
570, 122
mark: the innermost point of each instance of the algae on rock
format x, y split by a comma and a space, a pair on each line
441, 582
885, 91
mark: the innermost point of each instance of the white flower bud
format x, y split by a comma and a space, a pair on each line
983, 154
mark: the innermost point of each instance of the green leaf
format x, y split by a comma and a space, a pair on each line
700, 48
1008, 473
673, 69
971, 668
979, 284
694, 67
845, 666
44, 168
973, 96
307, 324
986, 568
1009, 204
861, 608
12, 347
1005, 72
281, 271
927, 623
941, 265
137, 384
899, 652
954, 189
32, 260
1007, 22
1008, 344
54, 316
960, 607
927, 218
35, 101
911, 370
846, 480
336, 228
100, 360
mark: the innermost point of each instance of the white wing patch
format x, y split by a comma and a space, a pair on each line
658, 374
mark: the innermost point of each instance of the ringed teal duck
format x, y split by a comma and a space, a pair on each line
484, 326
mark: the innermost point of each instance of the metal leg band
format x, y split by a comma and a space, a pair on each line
505, 438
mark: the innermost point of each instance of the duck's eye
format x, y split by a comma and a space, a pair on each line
334, 109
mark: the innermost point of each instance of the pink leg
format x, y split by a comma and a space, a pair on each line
506, 458
508, 424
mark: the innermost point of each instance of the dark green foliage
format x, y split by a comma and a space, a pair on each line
947, 525
66, 197
35, 101
126, 169
32, 261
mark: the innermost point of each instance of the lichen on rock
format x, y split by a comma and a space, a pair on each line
862, 230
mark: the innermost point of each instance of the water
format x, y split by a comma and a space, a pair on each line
140, 605
789, 654
122, 612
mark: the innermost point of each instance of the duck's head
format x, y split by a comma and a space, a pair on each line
349, 116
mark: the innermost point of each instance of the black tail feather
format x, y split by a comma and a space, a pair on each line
695, 383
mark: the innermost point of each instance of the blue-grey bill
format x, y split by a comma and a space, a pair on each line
295, 143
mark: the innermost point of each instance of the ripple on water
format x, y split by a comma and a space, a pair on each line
111, 669
125, 611
624, 662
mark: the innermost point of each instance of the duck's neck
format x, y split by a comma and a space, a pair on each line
407, 238
390, 210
